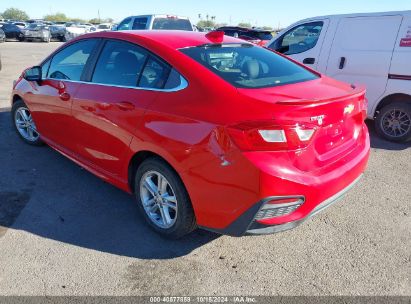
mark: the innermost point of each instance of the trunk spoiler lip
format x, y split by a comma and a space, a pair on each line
357, 92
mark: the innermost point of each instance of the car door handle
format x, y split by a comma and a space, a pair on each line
309, 60
65, 96
125, 105
342, 63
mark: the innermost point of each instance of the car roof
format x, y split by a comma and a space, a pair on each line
376, 14
170, 38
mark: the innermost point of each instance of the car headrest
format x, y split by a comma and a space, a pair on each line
126, 60
251, 68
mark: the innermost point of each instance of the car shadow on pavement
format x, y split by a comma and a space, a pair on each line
380, 143
47, 195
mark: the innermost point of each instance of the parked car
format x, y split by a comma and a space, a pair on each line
155, 22
210, 131
257, 36
58, 31
371, 49
36, 31
12, 31
74, 30
21, 25
104, 27
2, 36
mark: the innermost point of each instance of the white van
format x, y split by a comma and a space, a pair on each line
363, 49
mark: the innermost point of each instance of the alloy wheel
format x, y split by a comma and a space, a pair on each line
25, 124
158, 199
396, 123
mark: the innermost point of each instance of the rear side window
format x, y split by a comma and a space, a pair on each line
155, 74
299, 39
140, 23
262, 35
248, 66
69, 63
172, 23
120, 63
173, 81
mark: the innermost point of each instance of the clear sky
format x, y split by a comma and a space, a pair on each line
256, 12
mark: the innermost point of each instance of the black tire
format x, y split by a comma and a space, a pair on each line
17, 105
185, 219
404, 107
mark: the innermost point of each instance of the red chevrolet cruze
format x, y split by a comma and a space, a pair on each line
206, 130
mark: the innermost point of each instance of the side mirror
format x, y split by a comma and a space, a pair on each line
33, 74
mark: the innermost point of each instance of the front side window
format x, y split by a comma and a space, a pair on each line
120, 63
140, 23
299, 39
44, 69
124, 25
172, 23
248, 66
70, 62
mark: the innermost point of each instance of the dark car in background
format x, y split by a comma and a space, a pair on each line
37, 31
2, 36
58, 31
256, 36
13, 31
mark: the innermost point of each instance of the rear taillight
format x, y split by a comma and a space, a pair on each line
279, 206
264, 136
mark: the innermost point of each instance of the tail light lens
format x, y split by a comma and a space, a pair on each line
266, 136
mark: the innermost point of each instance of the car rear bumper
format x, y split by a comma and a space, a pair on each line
257, 228
247, 225
318, 190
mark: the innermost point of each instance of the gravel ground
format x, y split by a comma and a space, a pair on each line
63, 231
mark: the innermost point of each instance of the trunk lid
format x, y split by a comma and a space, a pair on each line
335, 110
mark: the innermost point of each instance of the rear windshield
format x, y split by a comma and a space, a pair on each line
262, 35
248, 66
103, 27
172, 24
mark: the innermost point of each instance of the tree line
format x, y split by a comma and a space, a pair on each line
17, 14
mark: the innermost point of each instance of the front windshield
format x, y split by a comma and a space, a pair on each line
248, 66
33, 26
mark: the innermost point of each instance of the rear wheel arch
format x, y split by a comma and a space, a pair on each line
138, 158
15, 98
396, 97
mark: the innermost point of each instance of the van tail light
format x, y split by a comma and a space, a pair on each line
266, 136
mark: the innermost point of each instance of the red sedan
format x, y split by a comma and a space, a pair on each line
205, 130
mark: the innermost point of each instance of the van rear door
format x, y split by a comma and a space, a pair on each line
361, 52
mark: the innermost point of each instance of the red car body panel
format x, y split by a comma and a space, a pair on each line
104, 127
